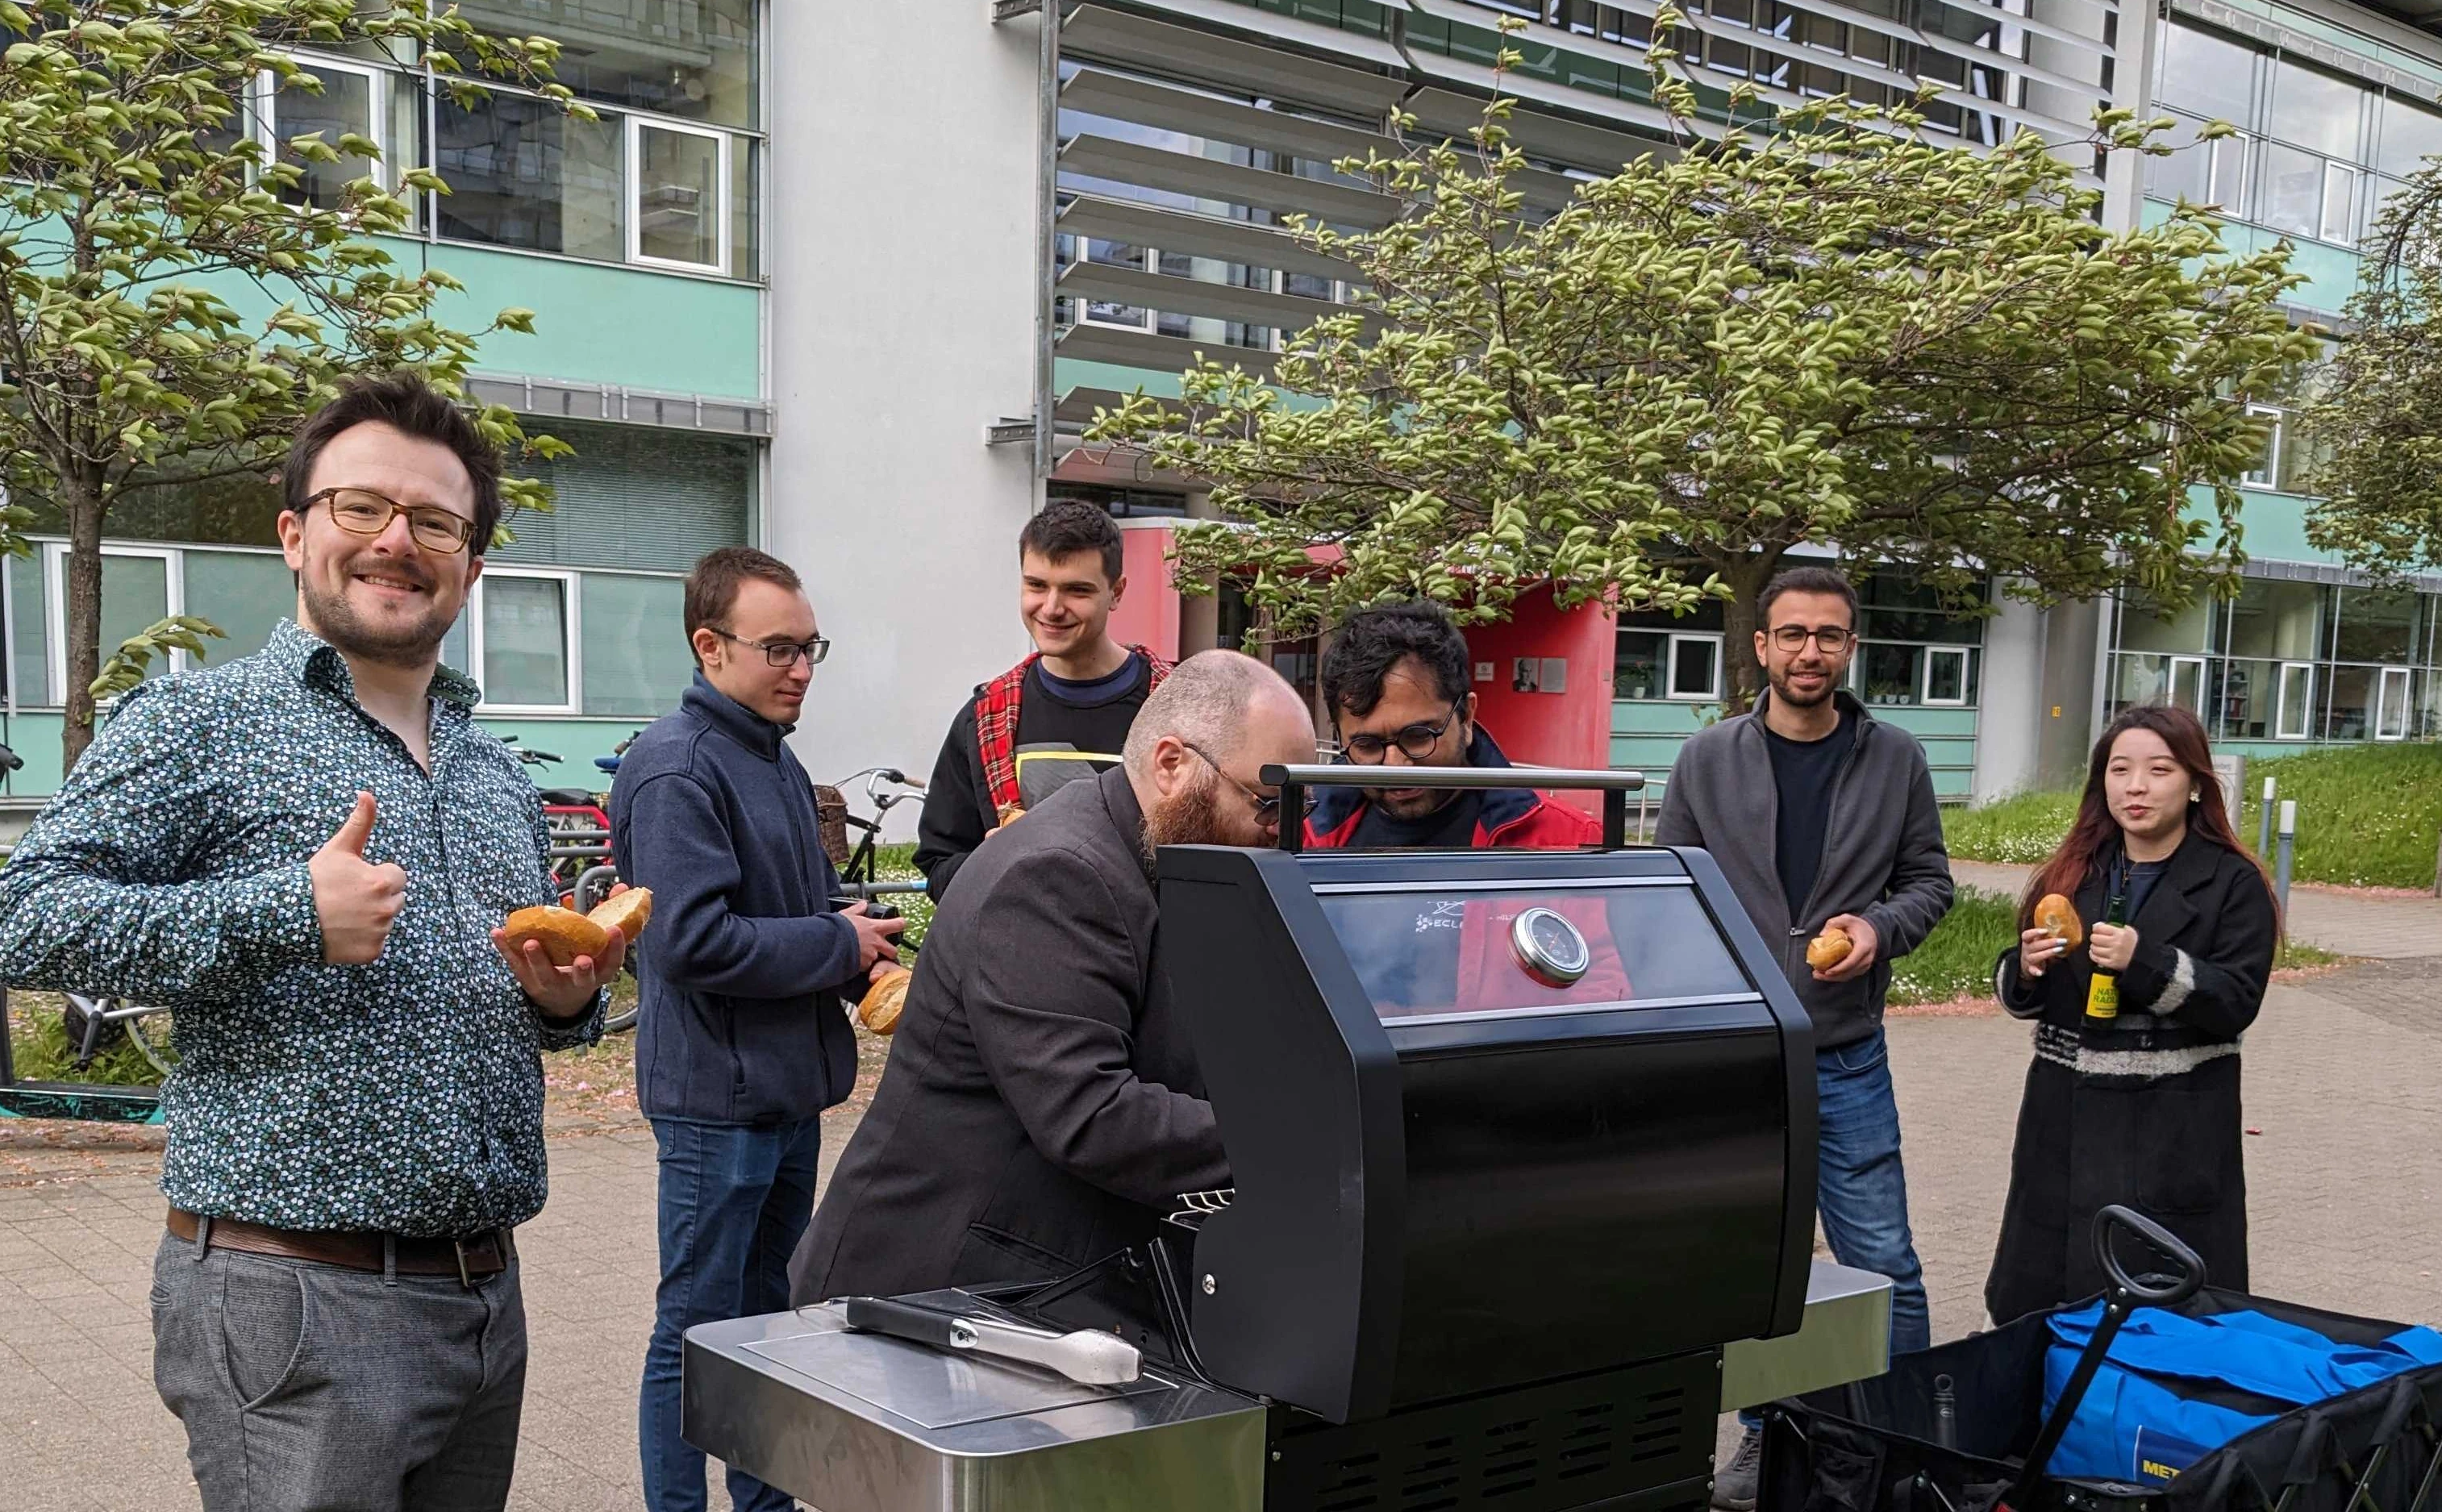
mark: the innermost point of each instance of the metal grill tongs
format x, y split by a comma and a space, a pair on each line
1087, 1356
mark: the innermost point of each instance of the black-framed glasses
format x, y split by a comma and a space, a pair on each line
1832, 639
1266, 809
363, 512
781, 653
1417, 742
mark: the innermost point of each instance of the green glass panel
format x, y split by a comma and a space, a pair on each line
636, 659
525, 641
29, 670
245, 594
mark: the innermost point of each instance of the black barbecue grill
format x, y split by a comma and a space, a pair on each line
1521, 1141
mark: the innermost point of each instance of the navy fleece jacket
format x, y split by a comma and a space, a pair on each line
743, 962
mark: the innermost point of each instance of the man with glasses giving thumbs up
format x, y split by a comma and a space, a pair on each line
306, 854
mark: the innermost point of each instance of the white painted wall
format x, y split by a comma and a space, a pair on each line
901, 223
2009, 715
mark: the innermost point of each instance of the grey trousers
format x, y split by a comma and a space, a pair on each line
308, 1387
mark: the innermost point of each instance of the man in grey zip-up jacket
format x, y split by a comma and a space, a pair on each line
1823, 818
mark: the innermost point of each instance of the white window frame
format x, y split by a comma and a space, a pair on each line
2267, 476
2280, 703
2386, 678
572, 639
55, 604
266, 108
1924, 691
1671, 669
634, 192
2236, 208
2193, 666
2341, 186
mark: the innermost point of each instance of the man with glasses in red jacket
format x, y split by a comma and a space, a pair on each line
1396, 684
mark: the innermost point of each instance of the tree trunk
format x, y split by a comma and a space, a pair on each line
81, 500
1743, 675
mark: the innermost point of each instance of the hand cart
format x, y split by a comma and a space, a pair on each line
1960, 1428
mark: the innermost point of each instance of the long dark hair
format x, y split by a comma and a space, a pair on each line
2096, 830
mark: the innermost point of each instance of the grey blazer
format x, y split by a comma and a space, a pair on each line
1041, 1107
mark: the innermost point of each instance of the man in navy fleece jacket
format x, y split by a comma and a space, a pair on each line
741, 1041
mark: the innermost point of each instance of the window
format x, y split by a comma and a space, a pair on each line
245, 594
523, 173
350, 103
2206, 74
2390, 718
138, 590
1636, 663
523, 640
693, 58
1945, 674
2295, 718
2226, 175
2292, 190
2339, 202
1888, 674
2267, 463
675, 214
1696, 666
2410, 134
635, 654
2316, 110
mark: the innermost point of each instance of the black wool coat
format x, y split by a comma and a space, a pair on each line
2143, 1109
1041, 1107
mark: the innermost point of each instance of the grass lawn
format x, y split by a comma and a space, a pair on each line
2368, 816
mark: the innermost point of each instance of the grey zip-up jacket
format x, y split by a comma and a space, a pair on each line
1883, 857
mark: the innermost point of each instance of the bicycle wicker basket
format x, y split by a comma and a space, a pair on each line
830, 816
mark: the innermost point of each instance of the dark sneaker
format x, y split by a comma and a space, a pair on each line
1733, 1485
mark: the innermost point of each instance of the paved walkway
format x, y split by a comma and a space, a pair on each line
2375, 926
2344, 1080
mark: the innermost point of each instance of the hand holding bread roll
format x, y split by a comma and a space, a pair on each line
1829, 948
885, 999
566, 934
2058, 917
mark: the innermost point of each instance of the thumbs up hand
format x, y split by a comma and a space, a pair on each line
356, 900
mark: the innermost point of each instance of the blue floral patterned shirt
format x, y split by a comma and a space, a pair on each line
404, 1096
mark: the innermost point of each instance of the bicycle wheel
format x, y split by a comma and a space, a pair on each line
150, 1034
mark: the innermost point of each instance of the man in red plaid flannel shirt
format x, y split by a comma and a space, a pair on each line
1061, 713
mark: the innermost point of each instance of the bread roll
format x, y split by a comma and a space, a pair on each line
885, 999
565, 933
627, 912
2058, 914
1829, 948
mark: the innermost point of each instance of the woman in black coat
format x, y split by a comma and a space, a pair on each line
2141, 1108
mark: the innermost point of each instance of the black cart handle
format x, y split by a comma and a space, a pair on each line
1294, 780
2147, 1290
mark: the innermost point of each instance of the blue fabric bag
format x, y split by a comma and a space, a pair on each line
2174, 1389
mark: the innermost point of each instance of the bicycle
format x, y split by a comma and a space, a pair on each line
93, 1024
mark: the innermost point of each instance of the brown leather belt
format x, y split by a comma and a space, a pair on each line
469, 1259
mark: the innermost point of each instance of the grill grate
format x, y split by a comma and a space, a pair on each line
1542, 1449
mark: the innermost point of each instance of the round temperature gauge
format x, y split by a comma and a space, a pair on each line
1549, 947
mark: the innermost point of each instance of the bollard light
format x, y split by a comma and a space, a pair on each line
2288, 849
2264, 818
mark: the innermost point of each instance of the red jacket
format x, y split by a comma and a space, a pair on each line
1512, 819
1489, 975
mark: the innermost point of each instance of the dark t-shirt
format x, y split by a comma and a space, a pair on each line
1056, 714
1802, 771
1451, 826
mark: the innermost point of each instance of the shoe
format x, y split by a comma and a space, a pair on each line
1734, 1485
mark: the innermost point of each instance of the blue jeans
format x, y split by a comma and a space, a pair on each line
735, 1200
1861, 1189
